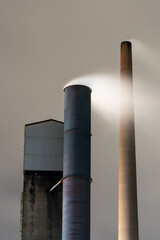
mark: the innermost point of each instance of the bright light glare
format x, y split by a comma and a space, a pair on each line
106, 87
106, 97
105, 92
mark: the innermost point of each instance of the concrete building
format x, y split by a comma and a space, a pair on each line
41, 213
128, 213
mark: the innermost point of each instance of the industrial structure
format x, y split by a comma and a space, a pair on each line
56, 153
46, 167
76, 163
128, 213
41, 213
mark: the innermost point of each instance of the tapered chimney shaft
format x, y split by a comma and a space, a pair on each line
76, 169
128, 213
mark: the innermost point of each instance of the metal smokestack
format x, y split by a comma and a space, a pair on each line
128, 213
76, 169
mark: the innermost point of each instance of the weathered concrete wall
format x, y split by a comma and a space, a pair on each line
21, 216
42, 210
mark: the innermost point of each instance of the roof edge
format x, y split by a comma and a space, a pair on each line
48, 120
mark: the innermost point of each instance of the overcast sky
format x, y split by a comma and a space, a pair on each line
45, 44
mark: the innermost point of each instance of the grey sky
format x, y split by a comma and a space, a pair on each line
45, 44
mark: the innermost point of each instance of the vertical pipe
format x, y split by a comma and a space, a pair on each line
128, 213
76, 169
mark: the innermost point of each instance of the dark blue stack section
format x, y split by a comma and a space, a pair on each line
76, 164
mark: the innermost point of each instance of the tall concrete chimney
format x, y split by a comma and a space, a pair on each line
128, 213
76, 175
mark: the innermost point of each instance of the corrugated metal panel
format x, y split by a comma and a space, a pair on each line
43, 150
